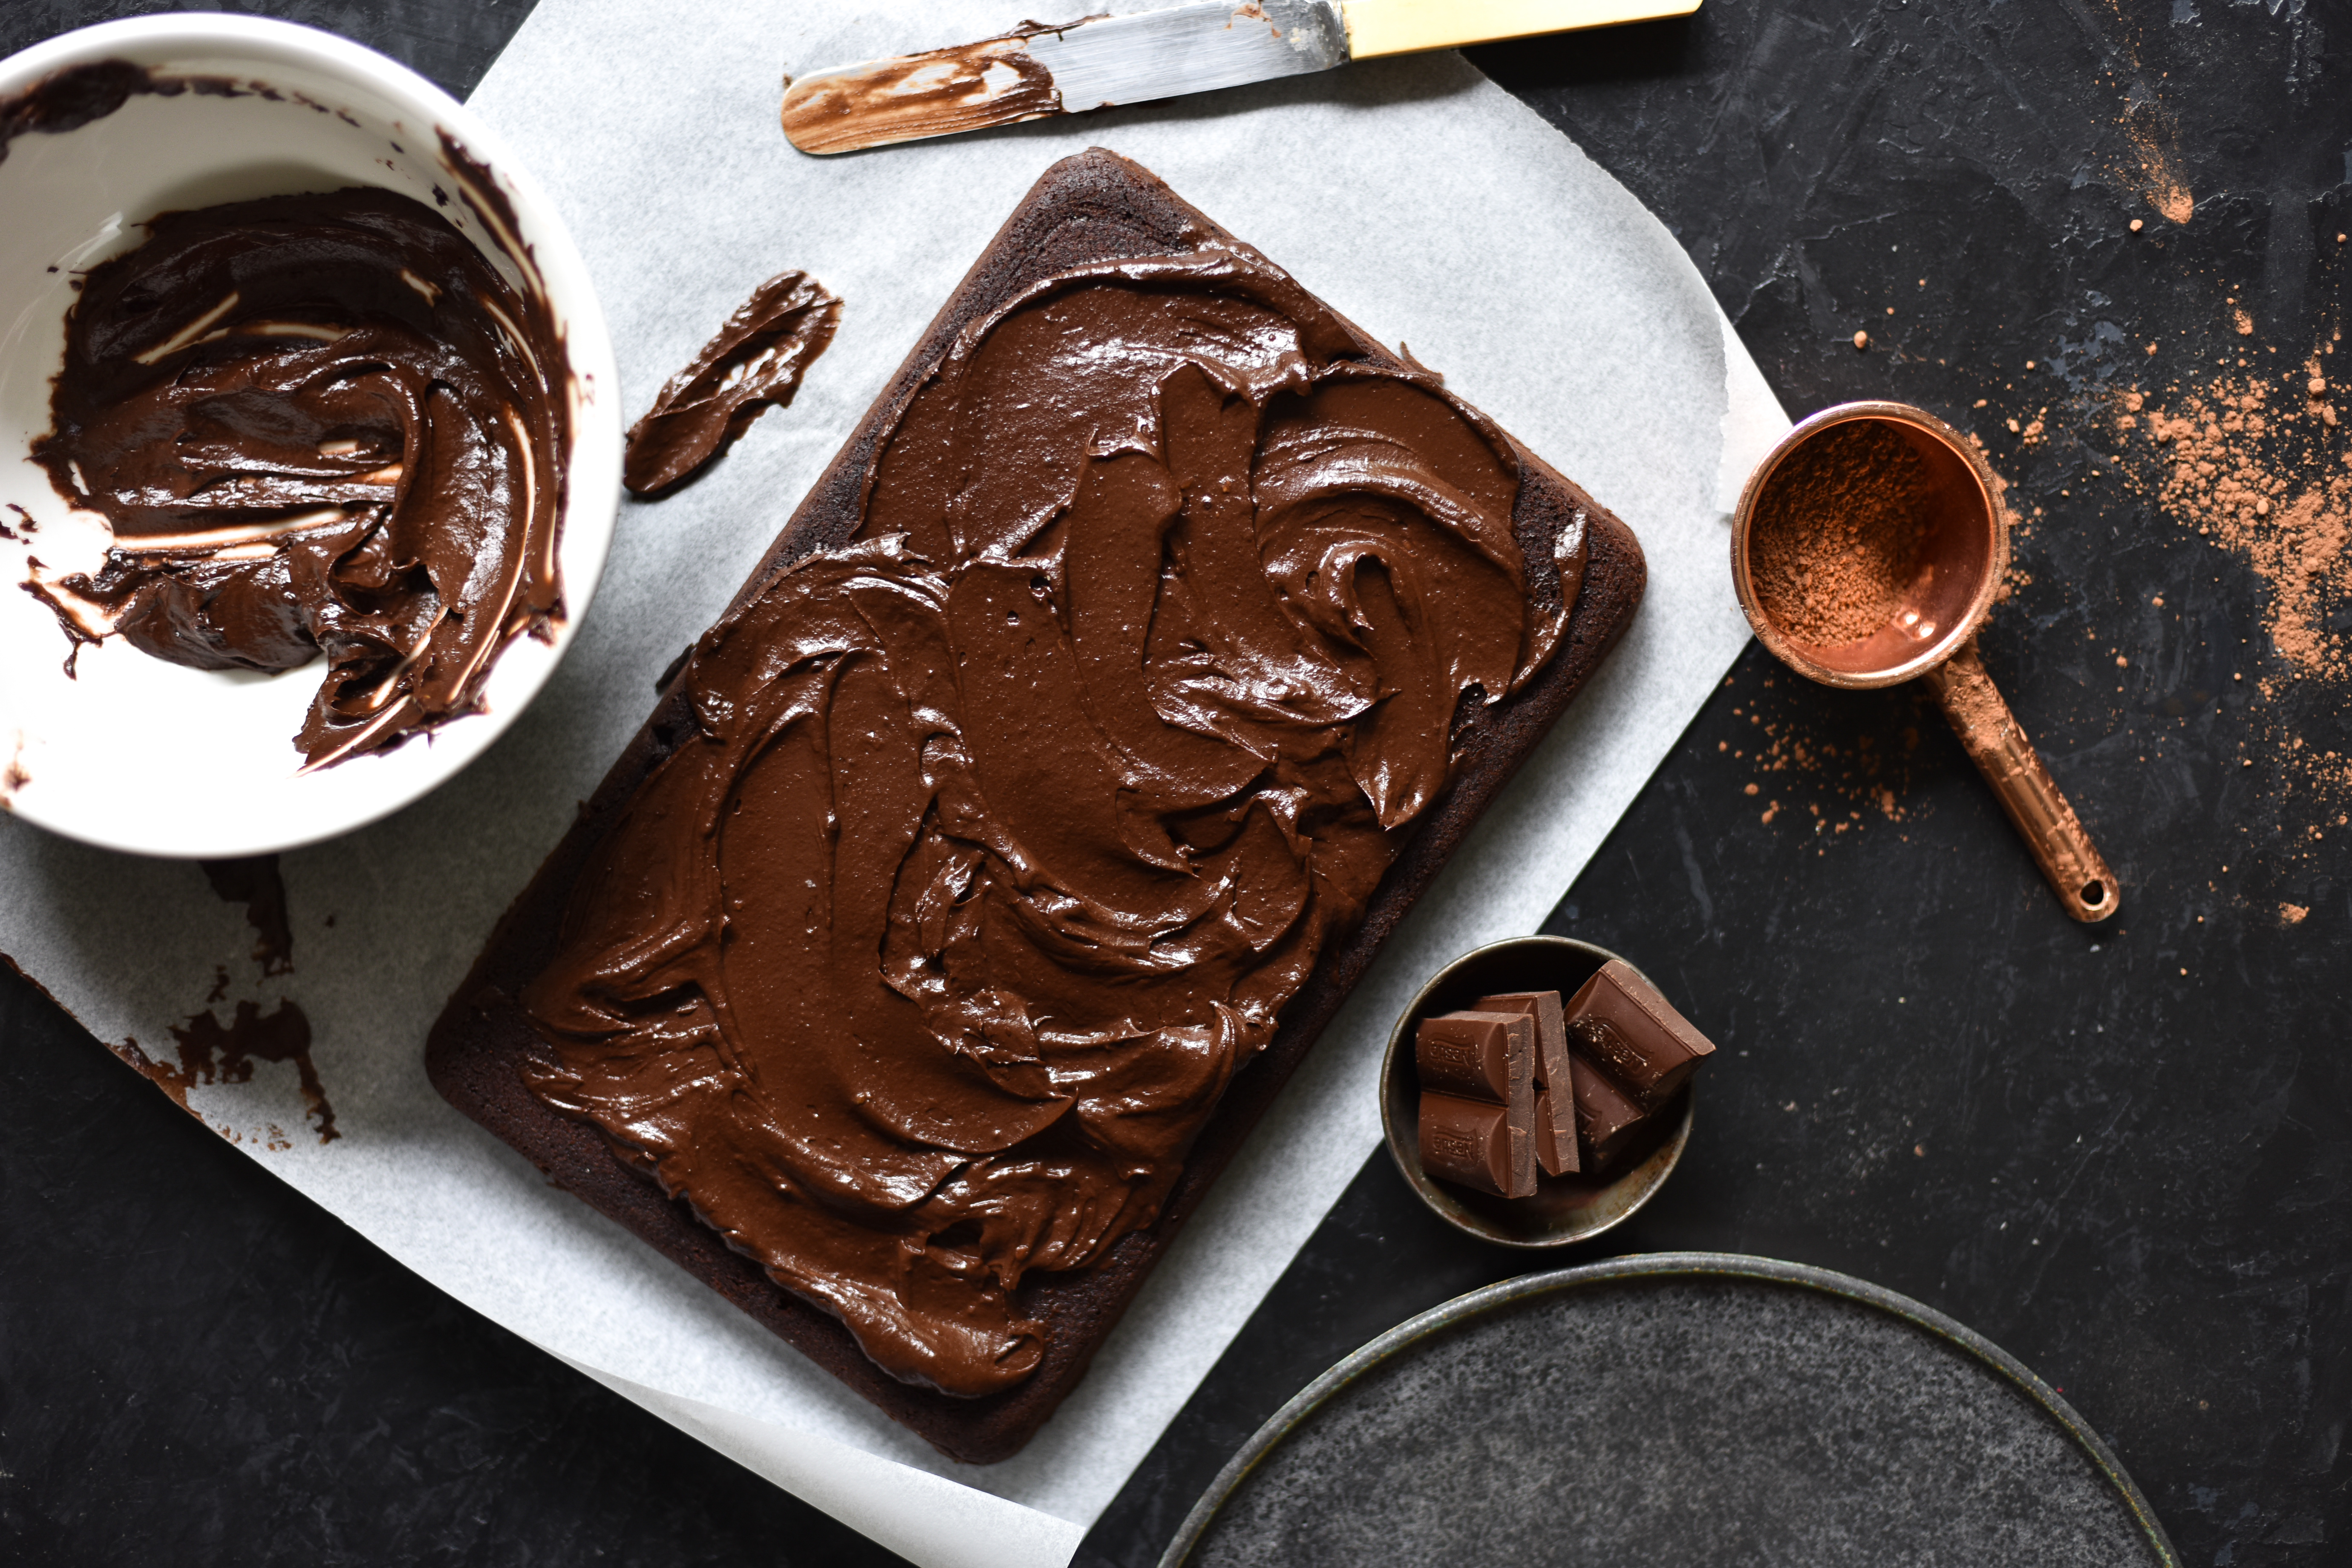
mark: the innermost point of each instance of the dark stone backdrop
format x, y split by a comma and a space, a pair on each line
2124, 1152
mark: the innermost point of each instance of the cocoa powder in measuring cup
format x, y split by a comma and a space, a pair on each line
1837, 532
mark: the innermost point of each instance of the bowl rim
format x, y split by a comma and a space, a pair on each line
1644, 1179
592, 463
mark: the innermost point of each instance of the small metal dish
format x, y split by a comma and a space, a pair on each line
1565, 1209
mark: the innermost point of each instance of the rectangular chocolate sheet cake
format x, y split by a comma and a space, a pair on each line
990, 864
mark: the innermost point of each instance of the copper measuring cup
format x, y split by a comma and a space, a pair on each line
1931, 637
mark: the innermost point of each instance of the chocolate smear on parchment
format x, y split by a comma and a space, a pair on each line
255, 882
754, 364
211, 1052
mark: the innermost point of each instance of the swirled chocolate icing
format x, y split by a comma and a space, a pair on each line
1004, 831
316, 423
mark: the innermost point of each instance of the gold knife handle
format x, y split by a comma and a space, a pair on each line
1408, 26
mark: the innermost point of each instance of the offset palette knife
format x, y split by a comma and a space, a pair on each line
1036, 70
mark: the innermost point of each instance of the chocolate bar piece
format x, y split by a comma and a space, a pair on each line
1606, 1117
1556, 1151
1479, 1055
1619, 1020
1555, 1114
1471, 1142
1486, 1057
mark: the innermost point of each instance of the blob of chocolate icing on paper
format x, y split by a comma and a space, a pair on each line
755, 363
1002, 833
317, 423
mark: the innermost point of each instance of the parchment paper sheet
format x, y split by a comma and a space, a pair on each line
1420, 200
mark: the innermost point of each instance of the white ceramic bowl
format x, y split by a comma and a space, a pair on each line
147, 756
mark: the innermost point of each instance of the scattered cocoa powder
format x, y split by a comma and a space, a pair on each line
2161, 182
2266, 483
1835, 540
2258, 465
1868, 777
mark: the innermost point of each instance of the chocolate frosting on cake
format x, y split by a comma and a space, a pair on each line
317, 422
1007, 830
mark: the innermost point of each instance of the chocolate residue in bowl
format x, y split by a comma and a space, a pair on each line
754, 364
1837, 533
255, 882
211, 1052
316, 423
72, 98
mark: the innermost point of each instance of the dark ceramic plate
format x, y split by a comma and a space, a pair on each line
1683, 1408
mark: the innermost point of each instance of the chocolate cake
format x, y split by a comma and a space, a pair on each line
986, 870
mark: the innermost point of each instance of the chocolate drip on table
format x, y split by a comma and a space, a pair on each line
316, 423
1005, 832
755, 363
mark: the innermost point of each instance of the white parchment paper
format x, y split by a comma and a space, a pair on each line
1417, 198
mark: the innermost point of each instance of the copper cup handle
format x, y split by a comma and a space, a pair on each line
2077, 871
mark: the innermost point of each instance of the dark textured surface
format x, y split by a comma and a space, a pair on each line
200, 1366
2139, 1182
450, 42
1694, 1421
2121, 1153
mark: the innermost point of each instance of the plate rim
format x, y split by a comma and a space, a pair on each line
1663, 1265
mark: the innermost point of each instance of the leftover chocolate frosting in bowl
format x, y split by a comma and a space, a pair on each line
316, 423
308, 439
1006, 831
